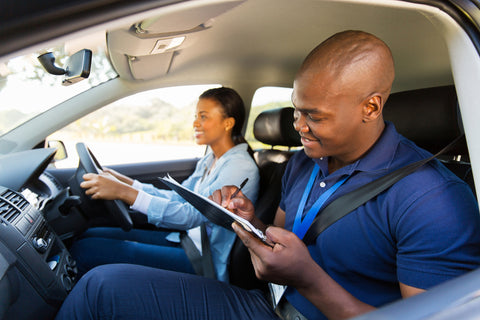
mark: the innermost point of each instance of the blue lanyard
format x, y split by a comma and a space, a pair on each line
300, 226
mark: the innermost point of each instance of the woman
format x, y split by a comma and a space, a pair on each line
219, 119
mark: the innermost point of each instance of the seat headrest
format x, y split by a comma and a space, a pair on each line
275, 127
429, 117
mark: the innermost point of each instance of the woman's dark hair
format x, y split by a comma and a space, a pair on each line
233, 106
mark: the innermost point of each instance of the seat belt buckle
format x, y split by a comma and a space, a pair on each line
276, 293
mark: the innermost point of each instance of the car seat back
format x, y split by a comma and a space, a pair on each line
275, 128
431, 118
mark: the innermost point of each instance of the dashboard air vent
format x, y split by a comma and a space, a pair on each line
11, 204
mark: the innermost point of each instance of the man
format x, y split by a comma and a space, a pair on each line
422, 231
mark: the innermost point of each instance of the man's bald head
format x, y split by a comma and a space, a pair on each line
352, 60
339, 93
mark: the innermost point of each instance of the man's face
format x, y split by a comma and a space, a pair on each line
328, 118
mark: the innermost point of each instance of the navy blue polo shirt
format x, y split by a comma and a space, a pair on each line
423, 230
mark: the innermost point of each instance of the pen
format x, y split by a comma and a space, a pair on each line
240, 188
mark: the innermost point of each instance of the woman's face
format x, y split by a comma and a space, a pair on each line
211, 126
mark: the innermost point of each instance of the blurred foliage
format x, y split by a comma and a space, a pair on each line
155, 121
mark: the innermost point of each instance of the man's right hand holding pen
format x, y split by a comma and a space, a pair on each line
239, 204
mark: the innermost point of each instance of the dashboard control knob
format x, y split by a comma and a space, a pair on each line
40, 244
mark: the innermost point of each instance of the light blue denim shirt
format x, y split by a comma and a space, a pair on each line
169, 210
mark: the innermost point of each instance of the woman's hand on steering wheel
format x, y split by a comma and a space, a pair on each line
89, 164
104, 186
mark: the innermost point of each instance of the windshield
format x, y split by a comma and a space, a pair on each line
27, 90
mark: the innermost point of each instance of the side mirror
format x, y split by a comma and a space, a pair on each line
78, 66
61, 150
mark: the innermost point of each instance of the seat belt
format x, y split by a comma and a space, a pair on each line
202, 263
207, 260
345, 204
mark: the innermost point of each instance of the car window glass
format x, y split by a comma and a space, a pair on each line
266, 98
150, 126
27, 89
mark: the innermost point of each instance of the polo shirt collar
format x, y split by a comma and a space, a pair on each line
379, 157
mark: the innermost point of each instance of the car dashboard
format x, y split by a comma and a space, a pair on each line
36, 269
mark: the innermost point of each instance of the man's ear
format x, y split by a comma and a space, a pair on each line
372, 108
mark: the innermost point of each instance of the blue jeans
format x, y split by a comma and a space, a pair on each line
99, 246
122, 291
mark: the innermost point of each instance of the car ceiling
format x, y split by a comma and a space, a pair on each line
264, 41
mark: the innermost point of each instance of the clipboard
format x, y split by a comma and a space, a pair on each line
212, 210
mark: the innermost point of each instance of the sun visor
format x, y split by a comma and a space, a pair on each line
141, 67
150, 45
186, 19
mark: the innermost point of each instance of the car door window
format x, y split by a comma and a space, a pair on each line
266, 98
149, 126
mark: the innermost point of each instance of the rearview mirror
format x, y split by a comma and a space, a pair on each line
77, 69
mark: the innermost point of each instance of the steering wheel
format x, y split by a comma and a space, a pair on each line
89, 164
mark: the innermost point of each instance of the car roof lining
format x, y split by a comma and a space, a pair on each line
207, 55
